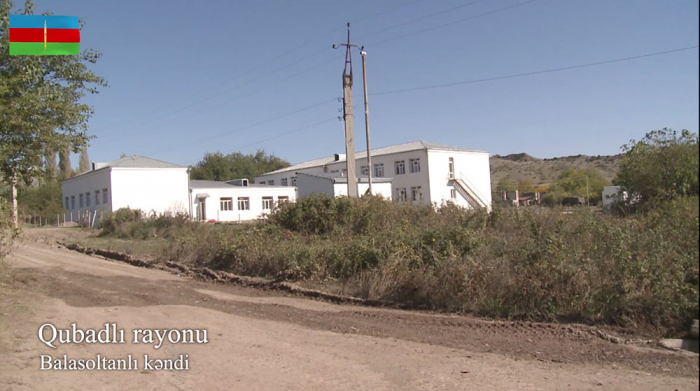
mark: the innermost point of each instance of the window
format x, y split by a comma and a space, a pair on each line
400, 167
72, 202
379, 170
284, 181
262, 182
401, 194
87, 199
294, 181
453, 193
364, 170
97, 197
415, 165
334, 171
267, 203
416, 194
67, 204
282, 199
105, 196
451, 167
271, 182
80, 196
243, 203
226, 203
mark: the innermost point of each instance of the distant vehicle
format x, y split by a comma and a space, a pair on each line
573, 201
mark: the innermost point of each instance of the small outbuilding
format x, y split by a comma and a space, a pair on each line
336, 186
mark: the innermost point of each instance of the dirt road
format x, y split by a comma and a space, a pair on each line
266, 341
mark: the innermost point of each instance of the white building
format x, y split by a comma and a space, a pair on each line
135, 182
308, 184
236, 200
421, 172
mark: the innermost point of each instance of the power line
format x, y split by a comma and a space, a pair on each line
452, 23
536, 72
245, 127
419, 19
278, 135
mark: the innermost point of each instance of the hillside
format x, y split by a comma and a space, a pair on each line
543, 171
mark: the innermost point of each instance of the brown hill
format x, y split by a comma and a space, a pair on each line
544, 171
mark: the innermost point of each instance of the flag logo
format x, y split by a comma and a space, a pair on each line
42, 35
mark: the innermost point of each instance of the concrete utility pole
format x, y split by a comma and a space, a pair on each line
348, 116
369, 155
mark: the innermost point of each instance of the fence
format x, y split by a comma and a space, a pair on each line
88, 218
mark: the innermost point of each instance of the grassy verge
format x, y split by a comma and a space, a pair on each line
536, 263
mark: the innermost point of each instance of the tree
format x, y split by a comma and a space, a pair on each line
586, 183
84, 162
40, 105
525, 186
661, 166
505, 185
219, 167
51, 167
65, 169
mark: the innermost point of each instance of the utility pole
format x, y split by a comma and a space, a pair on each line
587, 196
369, 154
348, 116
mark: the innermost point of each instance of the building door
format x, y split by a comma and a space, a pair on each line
203, 206
452, 168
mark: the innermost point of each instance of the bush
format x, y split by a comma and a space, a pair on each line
538, 263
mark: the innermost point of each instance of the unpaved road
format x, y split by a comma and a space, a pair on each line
266, 341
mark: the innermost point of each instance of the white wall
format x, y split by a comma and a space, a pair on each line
161, 190
380, 189
255, 194
86, 183
307, 185
474, 166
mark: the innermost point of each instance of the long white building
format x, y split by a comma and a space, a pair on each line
420, 172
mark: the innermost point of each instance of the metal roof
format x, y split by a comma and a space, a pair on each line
202, 184
341, 179
137, 161
406, 147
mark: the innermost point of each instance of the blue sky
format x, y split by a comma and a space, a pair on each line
187, 77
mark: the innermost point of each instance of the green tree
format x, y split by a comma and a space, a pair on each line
64, 168
84, 162
40, 105
51, 166
505, 184
219, 167
589, 182
526, 185
661, 166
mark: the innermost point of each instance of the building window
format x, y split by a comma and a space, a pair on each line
262, 182
87, 199
401, 194
294, 181
80, 197
364, 170
243, 203
226, 203
400, 167
72, 202
453, 193
416, 194
271, 182
105, 196
335, 171
415, 165
282, 199
379, 170
67, 204
267, 203
97, 197
284, 181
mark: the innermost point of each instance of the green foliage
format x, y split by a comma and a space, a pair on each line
505, 184
538, 263
219, 167
578, 183
526, 185
43, 200
661, 166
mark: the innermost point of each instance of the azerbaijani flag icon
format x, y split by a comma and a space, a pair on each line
42, 35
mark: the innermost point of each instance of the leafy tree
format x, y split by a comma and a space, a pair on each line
661, 166
589, 182
40, 105
505, 184
51, 166
84, 162
65, 169
219, 167
44, 199
525, 186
